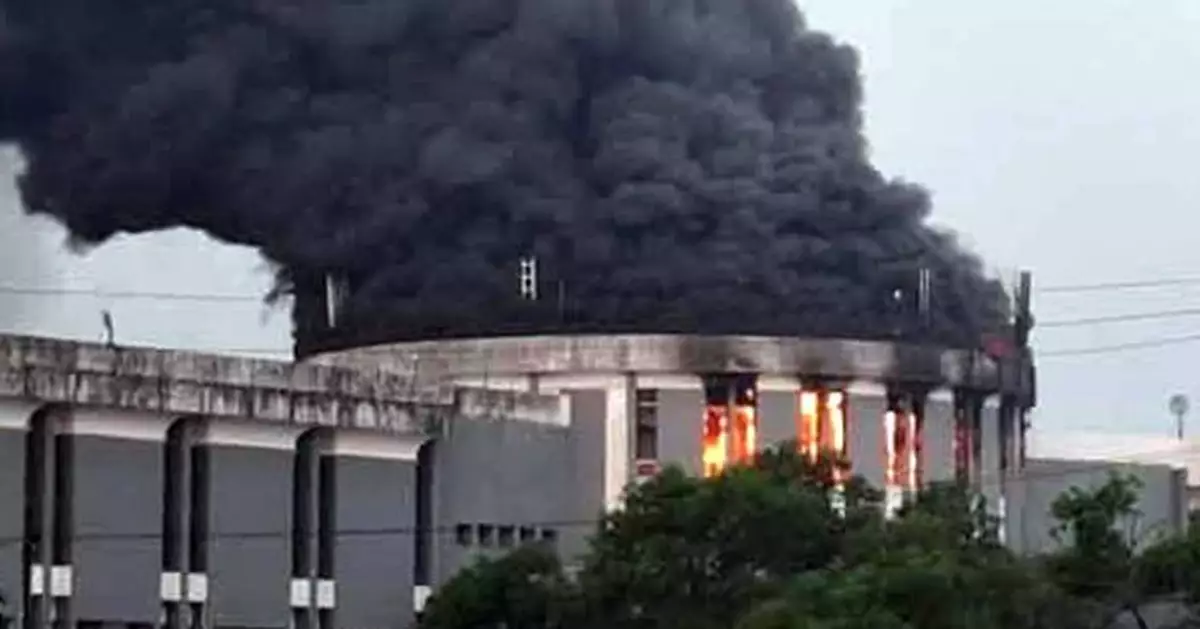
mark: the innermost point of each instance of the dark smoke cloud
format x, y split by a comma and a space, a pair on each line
690, 164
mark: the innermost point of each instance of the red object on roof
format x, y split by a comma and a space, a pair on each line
997, 347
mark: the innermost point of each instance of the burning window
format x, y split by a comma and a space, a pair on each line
745, 420
808, 423
834, 439
902, 446
962, 441
713, 446
730, 432
821, 423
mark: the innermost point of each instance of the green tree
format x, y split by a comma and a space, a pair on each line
696, 552
764, 547
525, 589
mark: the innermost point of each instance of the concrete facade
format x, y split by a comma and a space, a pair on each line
1162, 507
967, 401
152, 488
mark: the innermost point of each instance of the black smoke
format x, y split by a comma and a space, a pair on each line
691, 165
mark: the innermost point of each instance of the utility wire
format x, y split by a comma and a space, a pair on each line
1122, 347
1137, 316
217, 297
141, 295
1118, 286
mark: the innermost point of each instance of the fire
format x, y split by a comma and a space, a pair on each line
730, 423
809, 424
712, 454
902, 449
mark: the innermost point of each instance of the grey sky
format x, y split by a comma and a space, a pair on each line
1055, 136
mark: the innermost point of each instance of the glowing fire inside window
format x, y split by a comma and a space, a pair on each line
902, 449
836, 419
713, 445
809, 424
835, 414
962, 445
745, 433
913, 442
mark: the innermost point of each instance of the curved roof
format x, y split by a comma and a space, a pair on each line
884, 361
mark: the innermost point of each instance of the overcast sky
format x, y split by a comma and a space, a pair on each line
1057, 137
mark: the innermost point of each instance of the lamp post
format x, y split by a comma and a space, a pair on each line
1179, 406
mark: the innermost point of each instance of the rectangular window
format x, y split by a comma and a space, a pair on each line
463, 534
646, 441
745, 419
550, 537
486, 535
528, 534
715, 427
834, 439
506, 536
808, 423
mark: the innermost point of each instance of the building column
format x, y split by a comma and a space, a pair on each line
48, 524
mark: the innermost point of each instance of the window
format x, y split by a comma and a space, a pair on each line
462, 534
646, 442
549, 536
486, 534
528, 534
506, 536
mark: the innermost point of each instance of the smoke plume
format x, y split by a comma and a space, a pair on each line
672, 164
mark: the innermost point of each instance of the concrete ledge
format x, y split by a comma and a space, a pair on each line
882, 361
189, 383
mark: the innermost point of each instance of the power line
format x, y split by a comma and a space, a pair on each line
1122, 347
1137, 316
217, 297
1116, 286
141, 295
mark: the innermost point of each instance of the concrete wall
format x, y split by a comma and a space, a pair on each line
117, 517
776, 418
375, 570
249, 556
12, 492
867, 406
496, 481
1044, 480
680, 424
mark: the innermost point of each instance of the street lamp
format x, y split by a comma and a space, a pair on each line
1179, 406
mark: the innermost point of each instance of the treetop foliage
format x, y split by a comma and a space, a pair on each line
765, 547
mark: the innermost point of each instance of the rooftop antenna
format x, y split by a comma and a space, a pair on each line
106, 319
527, 278
1023, 321
924, 294
335, 297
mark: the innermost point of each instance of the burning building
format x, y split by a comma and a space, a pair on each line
899, 413
661, 214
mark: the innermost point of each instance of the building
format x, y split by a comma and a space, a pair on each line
1121, 449
156, 487
1162, 506
902, 414
142, 488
